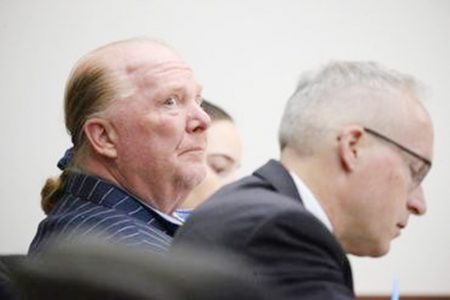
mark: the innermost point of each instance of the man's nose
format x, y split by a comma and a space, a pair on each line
198, 120
416, 201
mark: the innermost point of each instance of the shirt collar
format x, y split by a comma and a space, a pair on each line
310, 201
170, 218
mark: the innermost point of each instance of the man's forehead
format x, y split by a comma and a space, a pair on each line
135, 54
165, 75
148, 62
416, 131
151, 54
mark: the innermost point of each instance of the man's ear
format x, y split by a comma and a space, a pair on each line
101, 136
349, 146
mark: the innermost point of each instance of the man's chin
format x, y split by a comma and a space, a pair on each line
379, 251
371, 250
195, 175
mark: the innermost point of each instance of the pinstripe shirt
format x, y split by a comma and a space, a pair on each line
90, 206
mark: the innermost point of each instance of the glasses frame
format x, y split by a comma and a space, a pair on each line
427, 162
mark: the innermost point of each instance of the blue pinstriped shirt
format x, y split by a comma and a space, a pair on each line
94, 207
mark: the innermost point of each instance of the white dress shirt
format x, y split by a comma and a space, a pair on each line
310, 202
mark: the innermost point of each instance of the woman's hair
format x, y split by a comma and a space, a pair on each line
215, 113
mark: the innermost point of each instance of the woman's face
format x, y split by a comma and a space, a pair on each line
223, 151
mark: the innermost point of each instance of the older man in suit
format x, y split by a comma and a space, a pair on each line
133, 110
356, 143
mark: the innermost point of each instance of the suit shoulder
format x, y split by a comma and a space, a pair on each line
249, 192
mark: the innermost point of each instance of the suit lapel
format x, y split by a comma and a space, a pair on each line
275, 174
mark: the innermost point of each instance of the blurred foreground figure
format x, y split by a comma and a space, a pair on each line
356, 143
133, 110
92, 270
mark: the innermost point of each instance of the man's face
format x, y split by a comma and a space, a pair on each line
389, 194
161, 130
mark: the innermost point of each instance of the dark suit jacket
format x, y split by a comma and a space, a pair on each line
262, 219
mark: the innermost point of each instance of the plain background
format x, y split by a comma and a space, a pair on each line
248, 55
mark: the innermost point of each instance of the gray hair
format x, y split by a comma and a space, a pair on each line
340, 93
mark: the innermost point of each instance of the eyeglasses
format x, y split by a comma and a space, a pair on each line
417, 174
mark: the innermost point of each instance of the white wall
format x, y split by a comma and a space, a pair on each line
248, 55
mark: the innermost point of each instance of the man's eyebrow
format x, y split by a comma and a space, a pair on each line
181, 87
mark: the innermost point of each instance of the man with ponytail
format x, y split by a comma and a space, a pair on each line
133, 111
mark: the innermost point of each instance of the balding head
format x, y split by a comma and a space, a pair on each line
343, 93
107, 74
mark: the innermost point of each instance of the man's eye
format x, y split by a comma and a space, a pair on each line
171, 101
